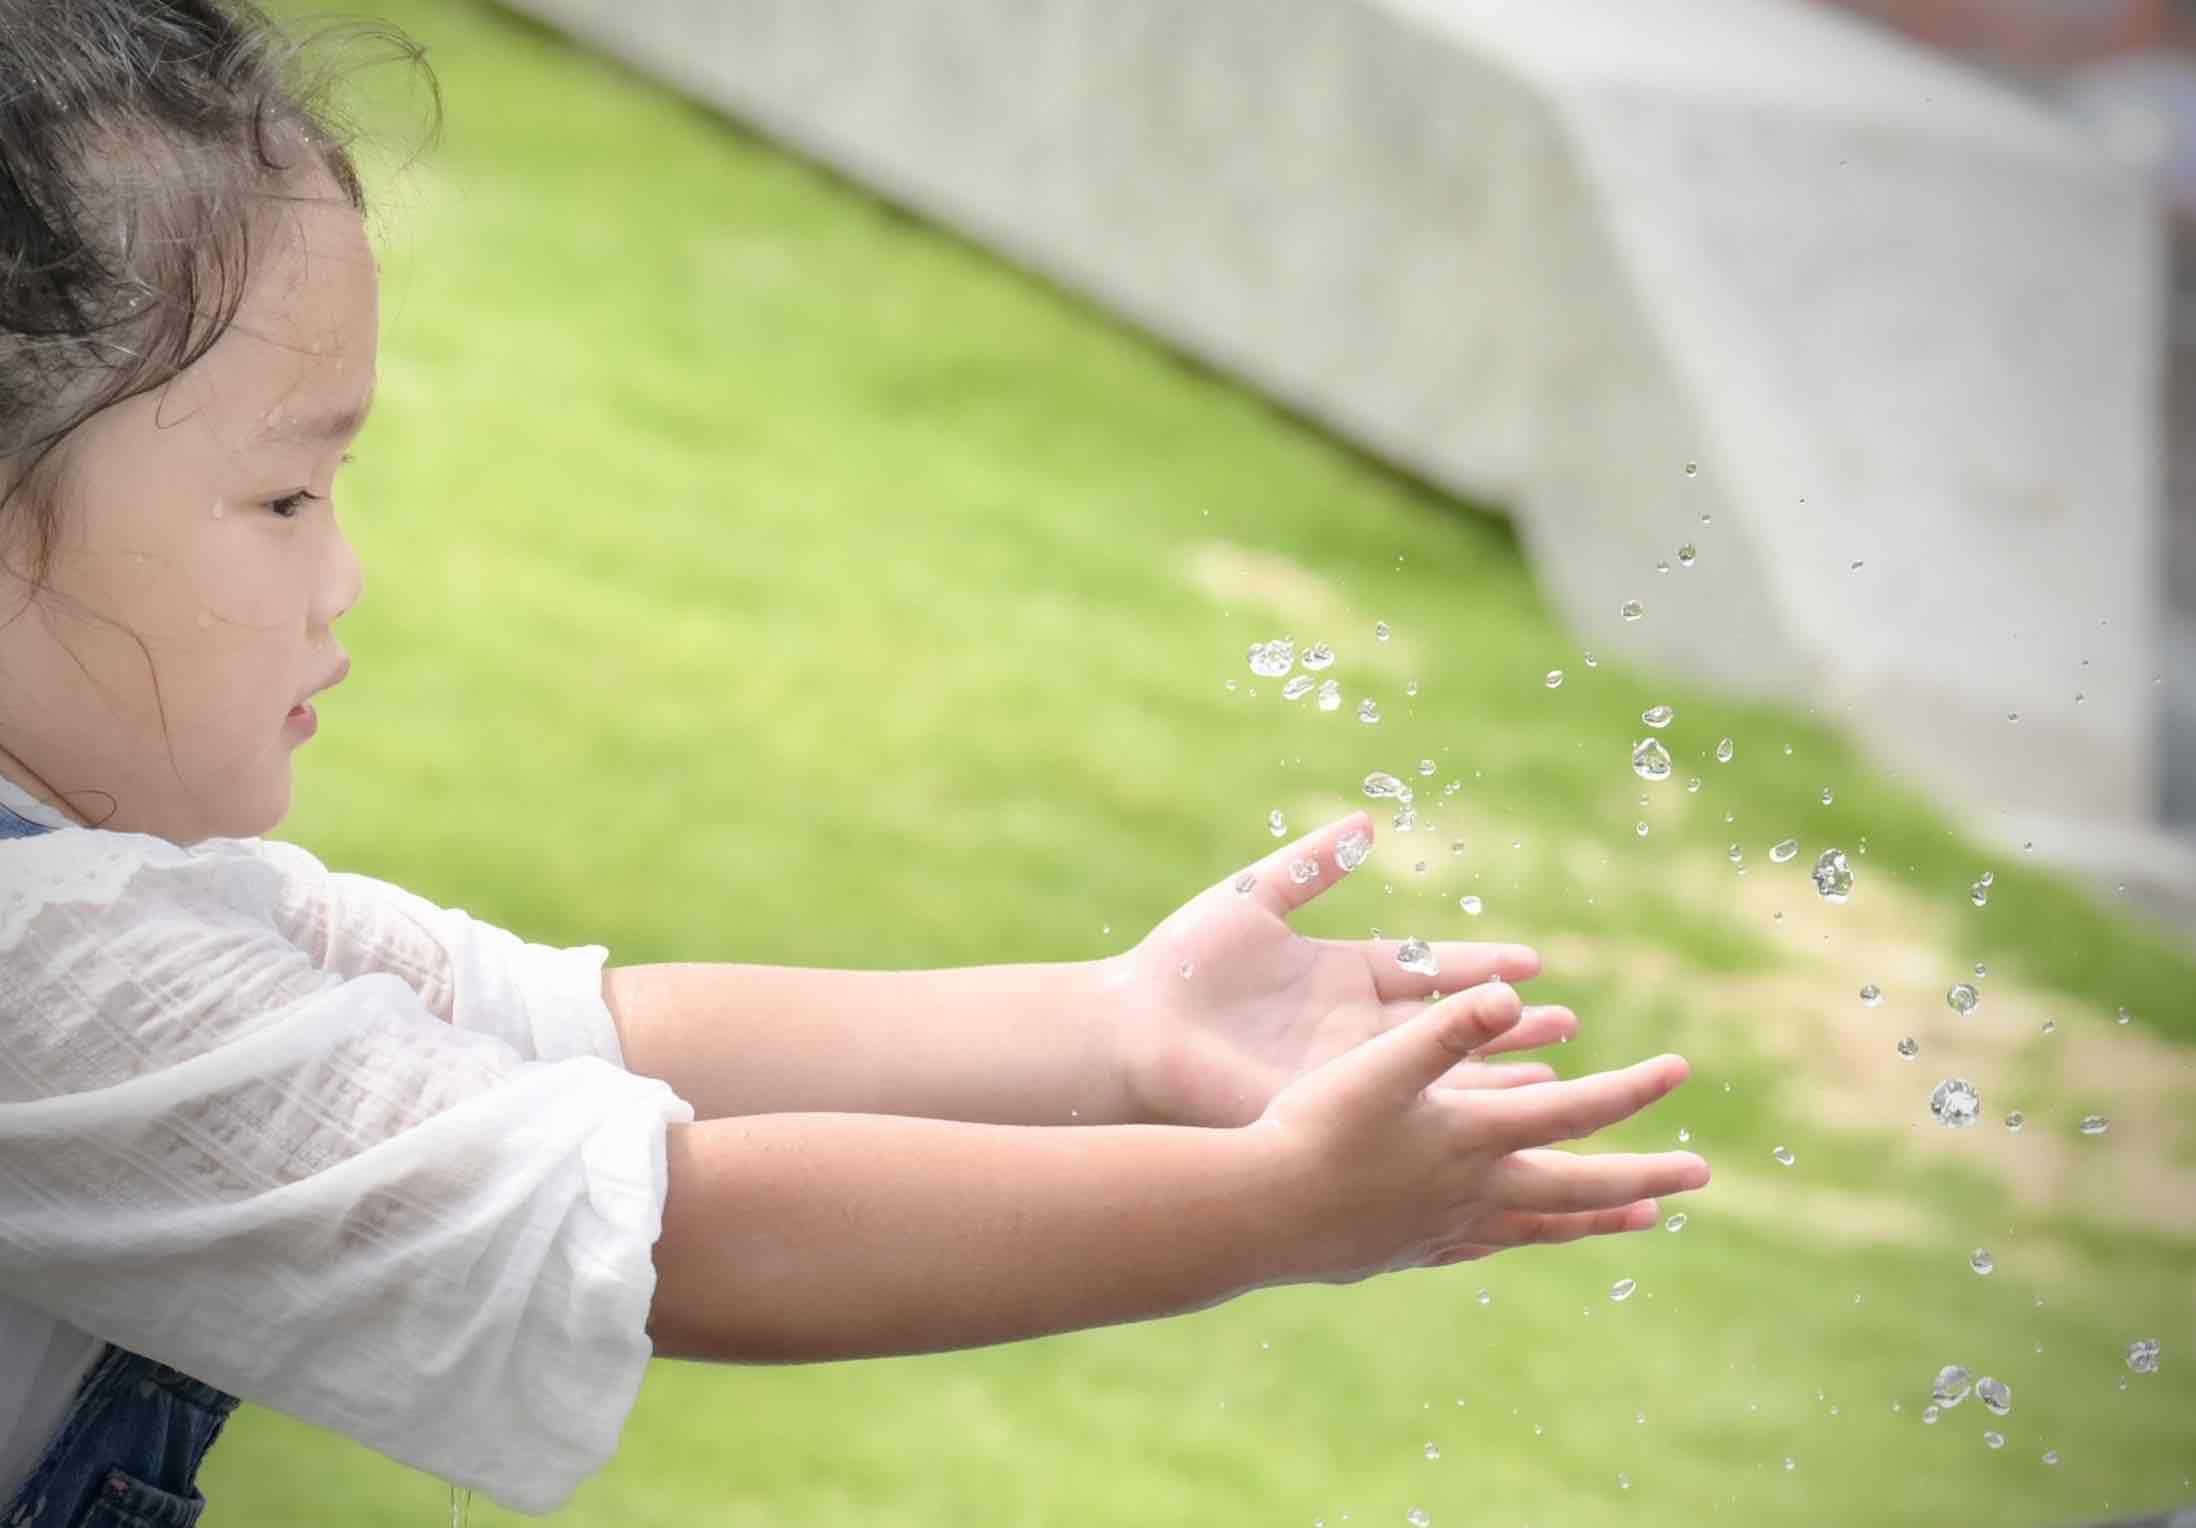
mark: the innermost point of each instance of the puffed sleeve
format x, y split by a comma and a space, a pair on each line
306, 1187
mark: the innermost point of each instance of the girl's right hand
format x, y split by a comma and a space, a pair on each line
1387, 1171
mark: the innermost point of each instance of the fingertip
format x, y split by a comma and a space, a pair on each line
1521, 962
1645, 1214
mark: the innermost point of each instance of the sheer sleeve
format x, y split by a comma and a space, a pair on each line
305, 1186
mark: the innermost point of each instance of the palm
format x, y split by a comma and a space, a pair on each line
1232, 1003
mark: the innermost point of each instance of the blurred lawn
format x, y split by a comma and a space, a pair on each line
757, 574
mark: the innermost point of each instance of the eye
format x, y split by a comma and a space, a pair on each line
291, 505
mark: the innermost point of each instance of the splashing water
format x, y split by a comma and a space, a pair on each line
1298, 687
1318, 656
1995, 1394
1622, 1289
1781, 852
1962, 998
1330, 695
1270, 660
1350, 851
1650, 760
1833, 877
1982, 1262
1955, 1103
1657, 717
1415, 954
1951, 1387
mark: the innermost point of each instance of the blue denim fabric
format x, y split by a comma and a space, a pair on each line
129, 1448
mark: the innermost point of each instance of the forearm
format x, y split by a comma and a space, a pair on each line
806, 1237
1031, 1045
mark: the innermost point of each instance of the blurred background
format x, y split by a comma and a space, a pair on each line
831, 460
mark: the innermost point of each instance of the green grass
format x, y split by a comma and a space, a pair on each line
757, 574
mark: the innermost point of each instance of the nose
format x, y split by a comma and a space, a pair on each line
344, 582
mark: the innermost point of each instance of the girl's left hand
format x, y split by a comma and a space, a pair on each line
1223, 1004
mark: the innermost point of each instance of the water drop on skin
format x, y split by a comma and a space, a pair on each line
1350, 851
1246, 884
1415, 955
1301, 871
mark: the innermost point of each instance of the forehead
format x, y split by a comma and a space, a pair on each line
303, 342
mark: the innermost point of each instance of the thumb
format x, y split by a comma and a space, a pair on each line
1415, 1054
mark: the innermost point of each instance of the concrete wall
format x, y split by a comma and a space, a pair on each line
1546, 255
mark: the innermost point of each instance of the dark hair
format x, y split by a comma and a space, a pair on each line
141, 144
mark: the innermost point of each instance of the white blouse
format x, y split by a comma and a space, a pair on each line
321, 1144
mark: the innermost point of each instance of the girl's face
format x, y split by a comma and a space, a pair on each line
199, 569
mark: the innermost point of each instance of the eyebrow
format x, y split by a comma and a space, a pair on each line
328, 426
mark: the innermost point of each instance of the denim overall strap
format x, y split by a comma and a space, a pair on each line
129, 1448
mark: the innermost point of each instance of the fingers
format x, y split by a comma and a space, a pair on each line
1524, 1228
1406, 1060
1460, 965
1557, 1182
1540, 1026
1278, 890
1470, 1076
1512, 1119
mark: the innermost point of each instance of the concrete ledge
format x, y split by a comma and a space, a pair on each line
1548, 255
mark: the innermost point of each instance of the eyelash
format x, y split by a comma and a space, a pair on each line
290, 505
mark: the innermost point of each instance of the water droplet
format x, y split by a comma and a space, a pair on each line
1433, 1450
1692, 786
1684, 1135
1908, 1049
1425, 767
1955, 1103
1724, 750
1982, 1262
1691, 468
1485, 1298
1189, 969
1230, 687
1380, 631
1995, 1440
2013, 716
1417, 1517
1622, 1289
1833, 877
2015, 1120
1995, 1394
1298, 687
1962, 997
1245, 884
2050, 1456
1640, 828
1379, 784
1368, 710
1471, 906
1855, 568
1784, 850
1872, 995
1624, 1481
2142, 1356
2050, 1026
1276, 824
1554, 679
1657, 716
1350, 851
1330, 695
1415, 955
1632, 610
1929, 1416
1784, 1155
1650, 760
1790, 1465
1686, 555
1734, 854
2094, 1124
1318, 656
1590, 660
1662, 567
1270, 660
1981, 969
2125, 1016
1979, 893
1301, 871
1951, 1386
1675, 1222
1826, 796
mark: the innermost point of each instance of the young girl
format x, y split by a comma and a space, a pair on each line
276, 1132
